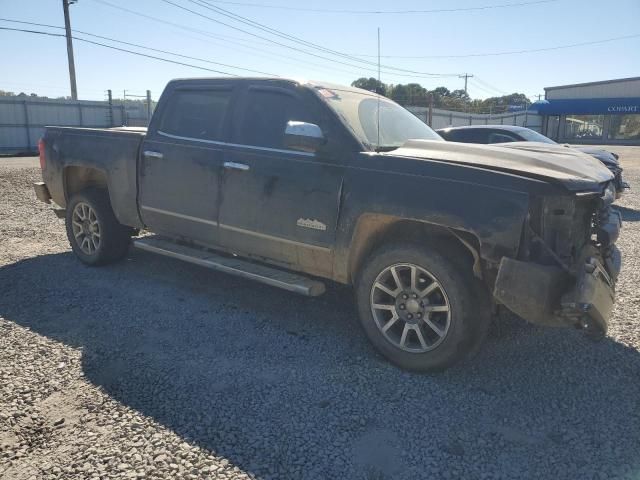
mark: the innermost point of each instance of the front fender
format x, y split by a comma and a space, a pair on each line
493, 214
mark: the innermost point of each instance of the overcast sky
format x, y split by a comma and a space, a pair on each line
34, 63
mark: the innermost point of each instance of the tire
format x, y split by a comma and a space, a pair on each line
452, 318
93, 231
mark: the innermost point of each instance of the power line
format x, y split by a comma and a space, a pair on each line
143, 47
286, 36
487, 85
224, 39
272, 31
513, 52
290, 38
174, 53
178, 25
119, 49
480, 87
383, 12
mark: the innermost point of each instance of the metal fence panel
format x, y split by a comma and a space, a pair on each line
14, 139
62, 115
22, 120
12, 113
445, 118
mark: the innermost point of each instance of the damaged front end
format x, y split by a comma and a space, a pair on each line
568, 263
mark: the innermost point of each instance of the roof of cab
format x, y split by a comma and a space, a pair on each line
301, 82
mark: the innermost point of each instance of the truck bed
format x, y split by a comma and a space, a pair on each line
112, 151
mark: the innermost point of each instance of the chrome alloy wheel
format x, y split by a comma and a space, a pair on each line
86, 228
410, 307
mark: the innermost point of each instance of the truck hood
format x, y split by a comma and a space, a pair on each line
554, 163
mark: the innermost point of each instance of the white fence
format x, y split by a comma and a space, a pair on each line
445, 118
22, 119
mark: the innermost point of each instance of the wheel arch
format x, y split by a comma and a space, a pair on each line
78, 178
374, 230
123, 200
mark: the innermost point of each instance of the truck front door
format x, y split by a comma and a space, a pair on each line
181, 161
279, 204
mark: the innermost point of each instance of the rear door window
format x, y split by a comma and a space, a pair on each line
265, 116
198, 114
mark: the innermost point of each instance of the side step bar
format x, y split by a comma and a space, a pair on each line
235, 266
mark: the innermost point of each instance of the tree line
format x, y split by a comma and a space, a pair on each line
415, 95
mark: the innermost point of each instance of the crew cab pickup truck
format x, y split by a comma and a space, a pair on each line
298, 183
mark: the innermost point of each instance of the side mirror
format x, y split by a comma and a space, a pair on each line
306, 137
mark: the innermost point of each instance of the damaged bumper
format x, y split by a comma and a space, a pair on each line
581, 294
590, 302
549, 296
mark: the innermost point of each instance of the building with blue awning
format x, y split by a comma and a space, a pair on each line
596, 112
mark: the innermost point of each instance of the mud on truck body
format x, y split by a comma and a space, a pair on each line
297, 183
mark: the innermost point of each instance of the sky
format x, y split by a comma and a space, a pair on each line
38, 64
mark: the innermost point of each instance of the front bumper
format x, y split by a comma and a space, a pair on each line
618, 182
590, 302
581, 295
550, 296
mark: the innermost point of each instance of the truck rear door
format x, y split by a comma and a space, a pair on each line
181, 161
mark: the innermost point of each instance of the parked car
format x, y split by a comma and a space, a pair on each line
294, 184
492, 134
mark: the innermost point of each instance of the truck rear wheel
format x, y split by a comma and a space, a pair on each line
94, 233
421, 310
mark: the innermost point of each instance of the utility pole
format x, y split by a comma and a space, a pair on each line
110, 99
72, 66
466, 77
148, 106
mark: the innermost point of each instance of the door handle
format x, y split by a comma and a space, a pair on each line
152, 154
236, 166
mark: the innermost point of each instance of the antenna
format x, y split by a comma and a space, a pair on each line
379, 86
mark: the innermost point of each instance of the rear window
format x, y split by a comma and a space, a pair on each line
196, 113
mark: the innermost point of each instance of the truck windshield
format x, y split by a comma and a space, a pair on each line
360, 112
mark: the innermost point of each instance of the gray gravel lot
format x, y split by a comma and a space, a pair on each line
152, 368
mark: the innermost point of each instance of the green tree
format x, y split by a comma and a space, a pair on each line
414, 94
371, 84
411, 94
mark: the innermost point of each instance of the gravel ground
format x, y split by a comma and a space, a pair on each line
152, 368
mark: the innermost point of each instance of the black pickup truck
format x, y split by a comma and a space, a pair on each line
295, 183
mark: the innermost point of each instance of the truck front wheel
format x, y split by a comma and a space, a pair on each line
94, 233
421, 310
